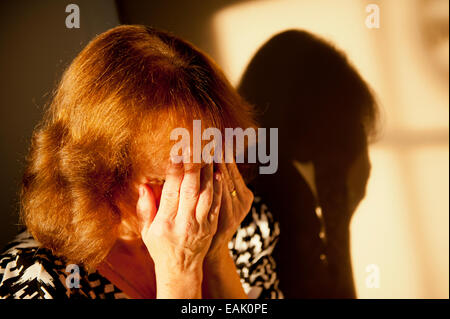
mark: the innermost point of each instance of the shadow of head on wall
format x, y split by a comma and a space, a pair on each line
325, 114
324, 111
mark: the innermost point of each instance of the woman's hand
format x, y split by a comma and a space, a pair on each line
178, 234
221, 277
236, 202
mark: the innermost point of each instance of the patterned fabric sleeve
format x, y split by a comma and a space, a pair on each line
25, 272
252, 247
28, 271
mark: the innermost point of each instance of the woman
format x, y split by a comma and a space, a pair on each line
108, 215
326, 114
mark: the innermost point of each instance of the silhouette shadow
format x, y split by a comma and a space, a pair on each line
325, 113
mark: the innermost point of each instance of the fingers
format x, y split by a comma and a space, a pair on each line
227, 180
145, 207
189, 192
227, 201
244, 194
213, 216
170, 194
206, 193
233, 179
236, 177
210, 199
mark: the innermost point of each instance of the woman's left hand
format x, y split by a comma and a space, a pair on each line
237, 200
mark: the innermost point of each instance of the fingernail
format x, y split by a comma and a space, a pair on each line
187, 154
174, 160
212, 216
218, 177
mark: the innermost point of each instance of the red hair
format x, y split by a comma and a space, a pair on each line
121, 93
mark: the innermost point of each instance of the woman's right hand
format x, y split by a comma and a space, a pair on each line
178, 234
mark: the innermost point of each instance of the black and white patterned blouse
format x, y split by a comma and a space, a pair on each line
29, 271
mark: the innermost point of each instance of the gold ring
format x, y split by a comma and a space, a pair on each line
233, 193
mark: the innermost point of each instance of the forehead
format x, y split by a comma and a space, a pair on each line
153, 157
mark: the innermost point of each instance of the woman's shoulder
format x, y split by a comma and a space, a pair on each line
29, 271
258, 232
252, 246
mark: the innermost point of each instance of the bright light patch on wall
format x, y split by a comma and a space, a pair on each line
243, 28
